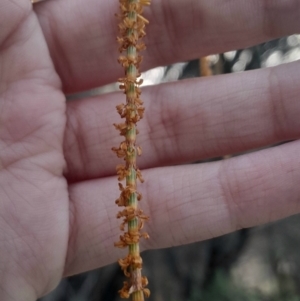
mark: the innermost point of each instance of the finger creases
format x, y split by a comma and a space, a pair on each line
82, 36
188, 121
188, 203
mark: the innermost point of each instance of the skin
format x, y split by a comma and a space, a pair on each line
57, 179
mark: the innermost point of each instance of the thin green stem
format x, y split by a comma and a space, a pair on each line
131, 30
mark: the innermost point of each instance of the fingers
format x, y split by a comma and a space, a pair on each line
188, 121
81, 35
187, 203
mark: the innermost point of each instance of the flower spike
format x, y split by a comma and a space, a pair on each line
132, 29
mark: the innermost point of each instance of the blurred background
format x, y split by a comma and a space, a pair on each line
257, 264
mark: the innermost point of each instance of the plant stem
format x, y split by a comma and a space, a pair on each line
131, 29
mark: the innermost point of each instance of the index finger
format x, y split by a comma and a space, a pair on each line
81, 34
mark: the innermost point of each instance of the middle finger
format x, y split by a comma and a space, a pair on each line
188, 121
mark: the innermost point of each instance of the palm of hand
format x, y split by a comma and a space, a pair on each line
34, 218
46, 144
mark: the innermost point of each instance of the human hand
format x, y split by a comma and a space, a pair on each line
58, 184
